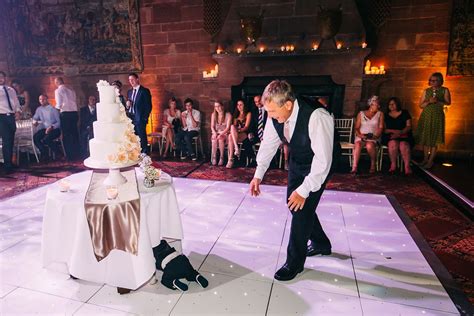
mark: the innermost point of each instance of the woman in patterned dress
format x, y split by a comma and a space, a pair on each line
430, 129
171, 120
368, 129
220, 128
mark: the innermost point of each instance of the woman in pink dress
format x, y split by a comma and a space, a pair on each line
368, 129
220, 128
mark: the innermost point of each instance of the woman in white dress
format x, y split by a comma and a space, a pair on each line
368, 129
171, 121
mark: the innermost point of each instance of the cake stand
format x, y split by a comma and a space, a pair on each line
115, 177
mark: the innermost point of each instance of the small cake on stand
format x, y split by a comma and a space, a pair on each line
115, 144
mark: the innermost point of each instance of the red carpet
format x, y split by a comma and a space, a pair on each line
448, 232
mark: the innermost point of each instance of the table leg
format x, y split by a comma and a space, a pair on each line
122, 290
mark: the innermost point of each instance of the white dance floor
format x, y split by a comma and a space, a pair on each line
238, 242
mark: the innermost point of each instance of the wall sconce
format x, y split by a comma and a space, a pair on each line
211, 74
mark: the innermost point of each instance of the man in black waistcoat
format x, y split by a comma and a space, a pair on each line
309, 132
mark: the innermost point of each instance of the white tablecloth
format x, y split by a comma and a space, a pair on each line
66, 237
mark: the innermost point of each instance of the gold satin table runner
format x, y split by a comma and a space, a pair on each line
113, 224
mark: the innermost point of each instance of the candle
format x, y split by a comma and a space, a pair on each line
364, 45
287, 48
239, 50
204, 74
261, 49
292, 48
64, 185
282, 48
112, 192
218, 51
382, 69
339, 46
315, 46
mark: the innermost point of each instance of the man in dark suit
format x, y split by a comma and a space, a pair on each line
309, 132
87, 116
257, 126
139, 108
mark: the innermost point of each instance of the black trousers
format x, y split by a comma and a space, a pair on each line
7, 133
187, 138
43, 140
70, 134
140, 131
305, 224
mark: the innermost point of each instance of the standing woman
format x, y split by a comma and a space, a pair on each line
431, 125
368, 129
171, 124
24, 99
220, 127
238, 130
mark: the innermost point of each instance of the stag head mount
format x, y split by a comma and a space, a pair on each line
251, 28
329, 22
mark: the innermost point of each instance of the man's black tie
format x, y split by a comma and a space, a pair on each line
8, 98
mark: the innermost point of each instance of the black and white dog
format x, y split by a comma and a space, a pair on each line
175, 266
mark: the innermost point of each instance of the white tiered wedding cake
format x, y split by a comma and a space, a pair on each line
115, 144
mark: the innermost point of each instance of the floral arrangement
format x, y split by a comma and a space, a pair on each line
103, 83
151, 173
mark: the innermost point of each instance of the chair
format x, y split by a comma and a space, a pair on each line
197, 141
345, 129
154, 135
383, 151
24, 139
60, 144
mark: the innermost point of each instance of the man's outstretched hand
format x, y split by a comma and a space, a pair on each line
255, 186
295, 202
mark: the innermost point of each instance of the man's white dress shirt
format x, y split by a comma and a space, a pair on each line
66, 100
321, 134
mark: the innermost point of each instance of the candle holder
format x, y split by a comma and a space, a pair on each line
64, 185
112, 192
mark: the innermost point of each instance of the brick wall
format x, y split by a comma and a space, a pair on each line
413, 44
176, 49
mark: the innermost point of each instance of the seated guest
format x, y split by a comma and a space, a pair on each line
220, 128
47, 120
368, 129
397, 134
171, 124
88, 115
238, 130
24, 99
190, 121
257, 126
118, 87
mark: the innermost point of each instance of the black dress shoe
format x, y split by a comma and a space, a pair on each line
312, 251
285, 273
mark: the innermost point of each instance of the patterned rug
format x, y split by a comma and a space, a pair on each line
448, 232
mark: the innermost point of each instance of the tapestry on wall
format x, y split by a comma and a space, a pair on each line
74, 37
461, 46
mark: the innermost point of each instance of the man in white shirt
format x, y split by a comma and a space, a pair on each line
66, 103
190, 120
47, 120
9, 111
309, 132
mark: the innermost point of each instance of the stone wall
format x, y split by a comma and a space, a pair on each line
176, 50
